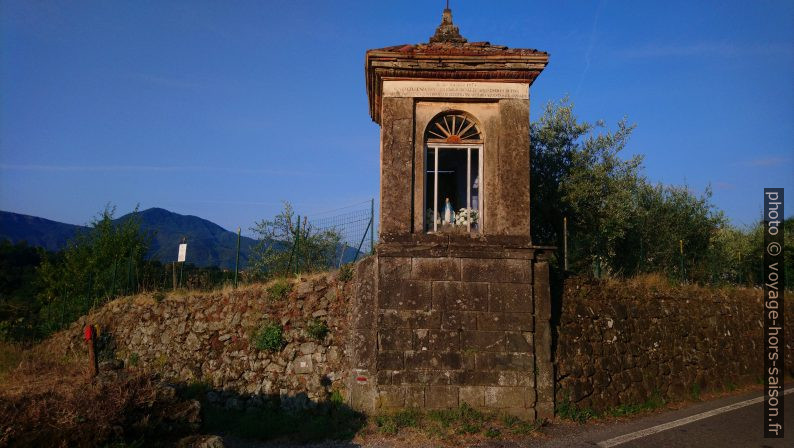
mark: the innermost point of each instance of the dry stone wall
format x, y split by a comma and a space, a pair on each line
207, 338
620, 343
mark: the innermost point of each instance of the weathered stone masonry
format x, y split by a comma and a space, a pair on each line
619, 343
445, 315
452, 324
205, 338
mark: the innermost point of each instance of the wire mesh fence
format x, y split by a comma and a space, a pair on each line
355, 226
353, 237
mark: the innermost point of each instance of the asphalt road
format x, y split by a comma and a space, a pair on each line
721, 423
733, 424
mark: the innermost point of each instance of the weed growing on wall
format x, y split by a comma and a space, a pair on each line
279, 289
694, 392
317, 329
345, 272
270, 337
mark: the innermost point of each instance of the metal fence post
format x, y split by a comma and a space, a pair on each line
681, 250
358, 250
565, 242
113, 286
237, 258
294, 247
342, 257
129, 273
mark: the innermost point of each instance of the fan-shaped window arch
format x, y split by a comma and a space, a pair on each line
453, 127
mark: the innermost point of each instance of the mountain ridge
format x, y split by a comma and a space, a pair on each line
208, 243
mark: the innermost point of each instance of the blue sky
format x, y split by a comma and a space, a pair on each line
224, 109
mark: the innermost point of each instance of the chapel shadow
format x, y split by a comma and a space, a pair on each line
291, 418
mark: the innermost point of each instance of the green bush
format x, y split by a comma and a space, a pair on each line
286, 245
279, 289
345, 272
317, 329
270, 337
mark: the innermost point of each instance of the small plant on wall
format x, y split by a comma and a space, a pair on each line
269, 337
345, 272
317, 329
279, 289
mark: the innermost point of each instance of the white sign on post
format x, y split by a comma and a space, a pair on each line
182, 252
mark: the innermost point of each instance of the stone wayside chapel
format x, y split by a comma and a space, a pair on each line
454, 307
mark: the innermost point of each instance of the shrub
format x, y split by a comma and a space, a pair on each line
317, 329
134, 359
279, 289
270, 337
308, 249
345, 272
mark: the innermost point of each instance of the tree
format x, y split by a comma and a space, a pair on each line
286, 245
96, 265
618, 222
18, 304
578, 174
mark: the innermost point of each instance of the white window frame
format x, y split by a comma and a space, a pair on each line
458, 147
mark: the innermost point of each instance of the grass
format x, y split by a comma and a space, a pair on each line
654, 402
451, 424
571, 411
49, 400
317, 329
269, 337
694, 392
391, 424
279, 289
10, 356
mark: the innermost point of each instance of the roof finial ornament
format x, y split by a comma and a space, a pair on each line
447, 32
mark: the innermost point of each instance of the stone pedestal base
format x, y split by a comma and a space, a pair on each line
438, 321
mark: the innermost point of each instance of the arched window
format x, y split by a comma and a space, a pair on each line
453, 128
453, 180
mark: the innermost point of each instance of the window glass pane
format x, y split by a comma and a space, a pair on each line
430, 164
458, 199
473, 214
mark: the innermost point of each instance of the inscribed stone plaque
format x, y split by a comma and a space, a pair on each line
455, 89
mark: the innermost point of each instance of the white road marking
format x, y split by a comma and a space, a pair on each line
682, 421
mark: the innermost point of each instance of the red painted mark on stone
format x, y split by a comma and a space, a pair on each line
361, 379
